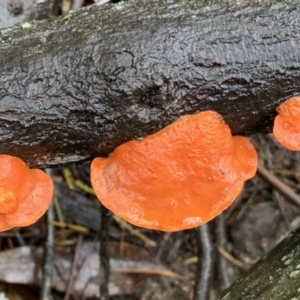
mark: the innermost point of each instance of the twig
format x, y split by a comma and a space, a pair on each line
279, 185
148, 242
173, 251
74, 227
73, 269
20, 238
221, 242
48, 253
233, 206
231, 258
58, 211
191, 260
104, 266
205, 265
281, 202
69, 178
162, 244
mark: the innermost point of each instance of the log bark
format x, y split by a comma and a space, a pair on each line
75, 87
276, 276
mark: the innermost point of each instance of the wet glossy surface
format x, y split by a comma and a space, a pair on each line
178, 178
25, 194
73, 89
287, 124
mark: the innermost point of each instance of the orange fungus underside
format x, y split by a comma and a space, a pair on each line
178, 178
287, 124
25, 194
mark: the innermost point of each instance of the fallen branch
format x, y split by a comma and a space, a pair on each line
77, 86
276, 276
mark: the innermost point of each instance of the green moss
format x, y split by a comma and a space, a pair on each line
287, 262
294, 273
26, 25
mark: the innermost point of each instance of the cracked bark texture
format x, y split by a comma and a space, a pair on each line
76, 87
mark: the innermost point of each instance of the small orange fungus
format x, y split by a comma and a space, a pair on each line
178, 178
25, 194
287, 124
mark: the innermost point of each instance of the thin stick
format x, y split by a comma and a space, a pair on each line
221, 242
232, 259
104, 267
278, 185
205, 265
48, 253
148, 242
73, 269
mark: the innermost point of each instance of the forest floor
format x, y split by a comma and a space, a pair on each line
145, 264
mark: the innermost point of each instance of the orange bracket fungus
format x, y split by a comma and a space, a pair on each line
178, 178
25, 194
287, 124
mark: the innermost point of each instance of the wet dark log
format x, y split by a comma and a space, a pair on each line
77, 86
276, 276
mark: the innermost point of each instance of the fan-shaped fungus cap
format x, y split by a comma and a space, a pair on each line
178, 178
25, 194
287, 124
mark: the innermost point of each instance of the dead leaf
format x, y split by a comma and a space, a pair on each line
23, 266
